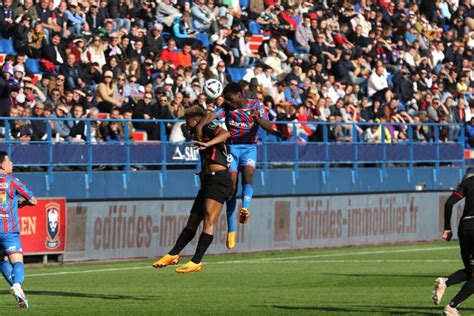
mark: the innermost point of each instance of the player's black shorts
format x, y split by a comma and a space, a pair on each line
215, 186
466, 243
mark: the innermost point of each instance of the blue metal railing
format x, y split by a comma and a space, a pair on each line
293, 152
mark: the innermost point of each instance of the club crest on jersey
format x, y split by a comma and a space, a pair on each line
52, 218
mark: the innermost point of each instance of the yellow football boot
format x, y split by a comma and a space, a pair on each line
244, 215
189, 267
230, 240
166, 260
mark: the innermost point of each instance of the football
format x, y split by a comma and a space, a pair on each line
213, 88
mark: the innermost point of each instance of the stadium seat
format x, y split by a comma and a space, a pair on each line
139, 136
6, 47
254, 27
204, 38
36, 78
236, 73
291, 47
102, 115
254, 42
244, 3
34, 65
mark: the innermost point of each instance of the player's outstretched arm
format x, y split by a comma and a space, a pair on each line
208, 118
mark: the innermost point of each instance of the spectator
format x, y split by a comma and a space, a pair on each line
304, 36
184, 56
95, 53
39, 126
61, 129
95, 18
77, 131
53, 52
71, 72
202, 16
378, 85
107, 93
154, 40
146, 110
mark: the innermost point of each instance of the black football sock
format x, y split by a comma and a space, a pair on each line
184, 238
457, 277
204, 242
466, 291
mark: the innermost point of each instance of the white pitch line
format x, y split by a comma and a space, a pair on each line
349, 261
85, 271
361, 253
292, 259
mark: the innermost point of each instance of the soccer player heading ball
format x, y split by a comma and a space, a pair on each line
242, 118
13, 195
466, 243
216, 187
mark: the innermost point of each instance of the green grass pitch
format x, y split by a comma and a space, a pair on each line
382, 280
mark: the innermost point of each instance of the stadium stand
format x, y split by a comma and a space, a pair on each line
327, 61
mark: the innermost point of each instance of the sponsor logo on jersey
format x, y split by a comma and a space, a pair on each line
240, 124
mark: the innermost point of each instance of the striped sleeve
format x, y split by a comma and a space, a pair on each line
258, 105
21, 188
220, 113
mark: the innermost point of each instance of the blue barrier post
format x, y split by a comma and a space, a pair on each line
326, 148
411, 151
437, 153
296, 153
89, 151
50, 155
265, 155
384, 152
8, 137
355, 140
127, 151
164, 144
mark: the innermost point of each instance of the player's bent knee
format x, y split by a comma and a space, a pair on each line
15, 257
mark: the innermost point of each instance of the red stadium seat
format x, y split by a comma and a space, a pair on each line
139, 136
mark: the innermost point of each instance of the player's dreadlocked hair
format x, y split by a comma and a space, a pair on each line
195, 111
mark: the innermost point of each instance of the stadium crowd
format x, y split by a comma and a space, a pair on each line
327, 61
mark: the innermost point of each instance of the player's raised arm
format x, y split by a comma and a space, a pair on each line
208, 118
221, 136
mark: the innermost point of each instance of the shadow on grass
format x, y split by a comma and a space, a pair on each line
386, 310
91, 295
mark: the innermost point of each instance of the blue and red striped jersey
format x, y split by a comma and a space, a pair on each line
11, 188
240, 124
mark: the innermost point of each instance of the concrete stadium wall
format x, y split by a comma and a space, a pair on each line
133, 229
